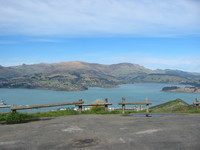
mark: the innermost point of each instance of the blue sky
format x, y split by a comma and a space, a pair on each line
153, 33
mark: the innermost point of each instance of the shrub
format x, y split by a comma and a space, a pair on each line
12, 118
96, 109
2, 116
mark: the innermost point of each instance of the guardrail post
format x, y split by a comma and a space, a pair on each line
106, 106
123, 105
14, 111
147, 107
197, 103
140, 107
80, 107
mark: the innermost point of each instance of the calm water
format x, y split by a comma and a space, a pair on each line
132, 92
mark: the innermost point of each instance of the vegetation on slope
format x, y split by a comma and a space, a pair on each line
71, 81
160, 78
73, 76
174, 106
12, 118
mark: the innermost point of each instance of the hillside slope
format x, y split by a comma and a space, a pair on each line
169, 107
78, 75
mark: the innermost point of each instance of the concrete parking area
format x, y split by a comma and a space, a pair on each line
102, 132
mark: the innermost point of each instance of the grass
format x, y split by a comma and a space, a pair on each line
101, 112
12, 118
174, 106
170, 107
56, 113
2, 116
189, 111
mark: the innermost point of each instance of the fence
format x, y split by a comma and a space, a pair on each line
124, 103
15, 108
105, 104
81, 104
197, 103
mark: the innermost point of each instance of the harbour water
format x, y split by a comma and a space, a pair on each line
132, 92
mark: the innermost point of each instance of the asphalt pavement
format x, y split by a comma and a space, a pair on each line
104, 132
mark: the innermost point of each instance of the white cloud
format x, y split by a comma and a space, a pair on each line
100, 17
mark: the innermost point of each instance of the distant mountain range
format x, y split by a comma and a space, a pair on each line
78, 75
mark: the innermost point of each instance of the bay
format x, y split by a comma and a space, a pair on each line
132, 92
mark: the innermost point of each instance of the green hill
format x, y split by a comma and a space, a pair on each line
170, 107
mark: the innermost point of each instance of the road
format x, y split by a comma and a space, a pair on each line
104, 132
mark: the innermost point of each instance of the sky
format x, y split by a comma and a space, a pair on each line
157, 34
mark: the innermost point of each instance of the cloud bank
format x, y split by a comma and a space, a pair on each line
155, 18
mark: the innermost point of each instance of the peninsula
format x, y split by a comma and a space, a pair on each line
182, 89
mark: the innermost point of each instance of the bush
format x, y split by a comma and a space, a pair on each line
12, 118
2, 116
96, 109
